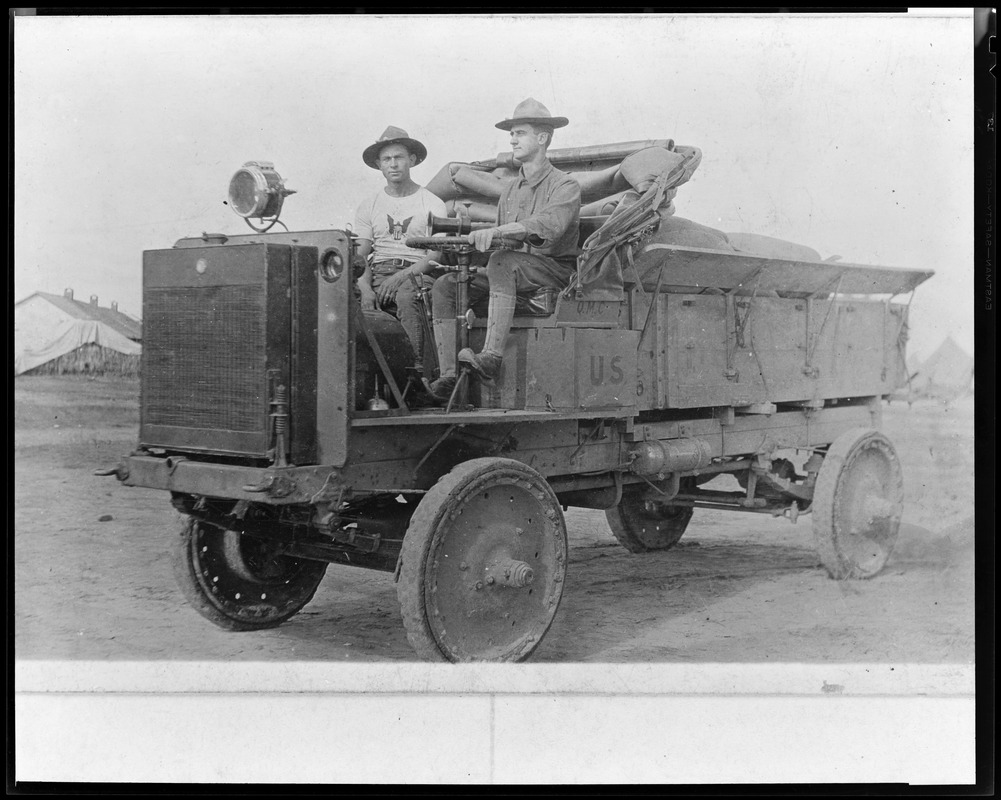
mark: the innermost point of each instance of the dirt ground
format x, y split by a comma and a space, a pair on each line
738, 588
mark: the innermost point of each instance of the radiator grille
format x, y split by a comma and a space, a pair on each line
204, 357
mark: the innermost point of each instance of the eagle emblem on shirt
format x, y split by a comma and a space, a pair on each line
397, 229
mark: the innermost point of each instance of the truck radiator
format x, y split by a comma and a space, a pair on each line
221, 332
204, 351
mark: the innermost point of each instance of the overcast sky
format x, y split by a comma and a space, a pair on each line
850, 134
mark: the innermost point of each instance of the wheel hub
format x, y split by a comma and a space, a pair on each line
253, 560
509, 572
877, 510
503, 571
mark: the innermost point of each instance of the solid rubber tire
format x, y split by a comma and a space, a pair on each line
827, 494
420, 538
291, 597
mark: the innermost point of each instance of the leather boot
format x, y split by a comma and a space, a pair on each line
500, 315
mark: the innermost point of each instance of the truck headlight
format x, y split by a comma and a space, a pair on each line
257, 191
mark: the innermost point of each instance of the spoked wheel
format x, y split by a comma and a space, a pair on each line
642, 525
857, 504
239, 582
483, 564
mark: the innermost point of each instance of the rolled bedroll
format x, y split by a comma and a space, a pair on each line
458, 181
584, 159
600, 170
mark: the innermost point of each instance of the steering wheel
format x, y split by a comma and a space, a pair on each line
449, 244
458, 244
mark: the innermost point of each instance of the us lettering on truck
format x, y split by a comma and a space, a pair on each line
615, 374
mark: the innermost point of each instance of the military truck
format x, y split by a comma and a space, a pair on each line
281, 418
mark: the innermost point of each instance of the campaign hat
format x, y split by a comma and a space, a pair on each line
534, 113
393, 135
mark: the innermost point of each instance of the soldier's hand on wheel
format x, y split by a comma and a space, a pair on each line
481, 239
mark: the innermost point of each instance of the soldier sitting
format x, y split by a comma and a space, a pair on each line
541, 207
384, 222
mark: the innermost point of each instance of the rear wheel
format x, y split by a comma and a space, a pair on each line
239, 582
643, 526
483, 564
857, 504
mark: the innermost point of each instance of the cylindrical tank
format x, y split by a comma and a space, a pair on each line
395, 346
673, 455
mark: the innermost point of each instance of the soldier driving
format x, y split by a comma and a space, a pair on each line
383, 223
540, 207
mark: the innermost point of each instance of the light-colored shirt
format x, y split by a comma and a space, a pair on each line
389, 221
548, 206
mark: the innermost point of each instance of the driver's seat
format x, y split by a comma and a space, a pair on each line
542, 302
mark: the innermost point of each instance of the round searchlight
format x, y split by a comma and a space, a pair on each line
257, 191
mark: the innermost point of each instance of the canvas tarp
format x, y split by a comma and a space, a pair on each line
67, 337
655, 176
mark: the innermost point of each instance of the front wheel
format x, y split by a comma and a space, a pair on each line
239, 582
483, 563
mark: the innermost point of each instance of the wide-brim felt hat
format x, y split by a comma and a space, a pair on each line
534, 113
393, 135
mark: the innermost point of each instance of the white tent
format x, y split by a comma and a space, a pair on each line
65, 333
948, 372
67, 337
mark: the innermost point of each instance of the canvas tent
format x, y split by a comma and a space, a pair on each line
55, 333
948, 372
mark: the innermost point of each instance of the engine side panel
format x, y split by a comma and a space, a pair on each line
302, 392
